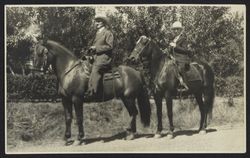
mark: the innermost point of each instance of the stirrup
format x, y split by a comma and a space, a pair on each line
89, 94
184, 89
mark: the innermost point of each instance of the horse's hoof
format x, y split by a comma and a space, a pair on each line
79, 142
130, 137
170, 136
102, 141
69, 142
158, 135
203, 132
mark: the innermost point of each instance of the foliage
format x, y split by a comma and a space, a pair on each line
68, 25
18, 20
31, 87
231, 86
72, 26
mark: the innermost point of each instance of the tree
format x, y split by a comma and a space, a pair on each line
71, 26
18, 20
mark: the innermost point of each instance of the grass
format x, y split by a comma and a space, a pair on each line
35, 123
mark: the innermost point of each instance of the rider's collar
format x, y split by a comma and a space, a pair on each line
101, 29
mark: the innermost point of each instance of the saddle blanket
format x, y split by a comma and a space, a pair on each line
110, 75
194, 73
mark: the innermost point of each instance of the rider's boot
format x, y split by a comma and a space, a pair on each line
183, 84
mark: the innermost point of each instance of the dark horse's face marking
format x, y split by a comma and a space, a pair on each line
40, 56
139, 50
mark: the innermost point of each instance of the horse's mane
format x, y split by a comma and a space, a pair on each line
159, 54
160, 60
61, 47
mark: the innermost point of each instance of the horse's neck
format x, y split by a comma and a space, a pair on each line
157, 67
157, 61
63, 63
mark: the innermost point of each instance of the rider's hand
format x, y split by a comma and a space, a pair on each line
172, 44
92, 48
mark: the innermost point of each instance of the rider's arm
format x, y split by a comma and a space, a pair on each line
109, 40
182, 47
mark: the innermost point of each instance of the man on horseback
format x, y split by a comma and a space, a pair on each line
101, 48
180, 52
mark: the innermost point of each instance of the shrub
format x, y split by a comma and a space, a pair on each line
31, 87
232, 86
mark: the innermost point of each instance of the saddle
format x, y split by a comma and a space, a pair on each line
111, 73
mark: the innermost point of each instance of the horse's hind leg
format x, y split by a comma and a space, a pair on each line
79, 116
132, 110
158, 102
169, 103
67, 104
202, 128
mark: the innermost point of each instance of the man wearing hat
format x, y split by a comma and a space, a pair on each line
180, 51
101, 48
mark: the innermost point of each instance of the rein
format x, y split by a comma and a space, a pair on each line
77, 63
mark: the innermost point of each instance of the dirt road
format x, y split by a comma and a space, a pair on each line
217, 139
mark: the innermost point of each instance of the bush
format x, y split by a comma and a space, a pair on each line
232, 86
31, 87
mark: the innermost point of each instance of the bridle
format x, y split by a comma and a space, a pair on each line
45, 55
139, 53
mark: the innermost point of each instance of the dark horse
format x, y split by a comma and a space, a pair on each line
73, 75
162, 71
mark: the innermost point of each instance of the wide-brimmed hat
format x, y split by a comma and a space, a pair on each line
103, 19
177, 25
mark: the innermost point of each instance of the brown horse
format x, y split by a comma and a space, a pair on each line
162, 72
73, 75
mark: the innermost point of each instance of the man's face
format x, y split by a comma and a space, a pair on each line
99, 24
176, 31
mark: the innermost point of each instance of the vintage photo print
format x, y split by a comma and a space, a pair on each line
141, 78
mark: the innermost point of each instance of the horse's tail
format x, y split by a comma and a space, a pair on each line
144, 105
209, 93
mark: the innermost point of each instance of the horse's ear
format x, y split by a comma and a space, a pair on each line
144, 39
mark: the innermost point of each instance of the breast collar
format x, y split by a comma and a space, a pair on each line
100, 30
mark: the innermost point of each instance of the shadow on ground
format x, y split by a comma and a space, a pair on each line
122, 135
191, 132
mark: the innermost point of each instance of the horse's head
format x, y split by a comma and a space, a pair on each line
41, 56
141, 49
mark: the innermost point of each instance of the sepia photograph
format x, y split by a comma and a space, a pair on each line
141, 78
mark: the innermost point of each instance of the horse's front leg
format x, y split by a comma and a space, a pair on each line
78, 104
158, 102
169, 102
132, 110
67, 105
